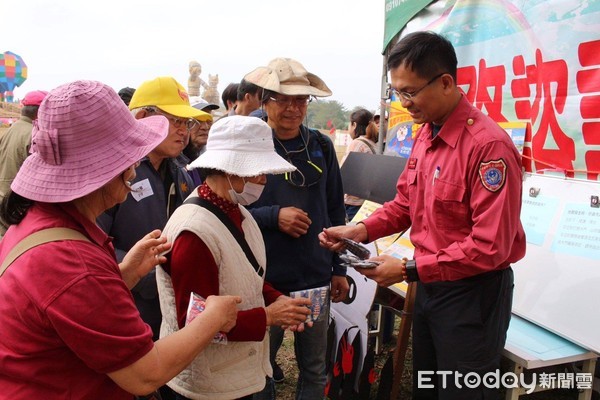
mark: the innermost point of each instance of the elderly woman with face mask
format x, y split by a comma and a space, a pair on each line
209, 233
68, 322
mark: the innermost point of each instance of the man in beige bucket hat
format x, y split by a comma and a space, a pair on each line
295, 207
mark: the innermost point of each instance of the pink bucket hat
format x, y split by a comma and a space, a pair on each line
84, 137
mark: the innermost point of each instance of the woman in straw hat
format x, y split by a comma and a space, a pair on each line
209, 233
68, 323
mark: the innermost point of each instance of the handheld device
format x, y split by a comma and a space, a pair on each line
364, 264
352, 261
357, 249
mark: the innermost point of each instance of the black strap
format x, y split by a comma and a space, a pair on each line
323, 143
237, 234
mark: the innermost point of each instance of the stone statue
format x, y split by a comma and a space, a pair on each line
194, 81
211, 94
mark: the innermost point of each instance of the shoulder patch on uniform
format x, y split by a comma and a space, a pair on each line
492, 174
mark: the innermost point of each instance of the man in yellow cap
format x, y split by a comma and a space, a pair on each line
161, 183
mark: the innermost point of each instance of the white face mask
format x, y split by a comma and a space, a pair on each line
249, 194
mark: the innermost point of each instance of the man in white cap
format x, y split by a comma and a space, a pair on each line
15, 143
295, 207
160, 186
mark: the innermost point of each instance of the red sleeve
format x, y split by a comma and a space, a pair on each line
193, 269
98, 312
270, 294
252, 324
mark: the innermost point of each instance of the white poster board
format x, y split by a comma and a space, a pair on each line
557, 284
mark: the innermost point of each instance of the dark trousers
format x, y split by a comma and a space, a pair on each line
180, 397
460, 327
163, 393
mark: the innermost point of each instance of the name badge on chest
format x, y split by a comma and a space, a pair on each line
141, 190
412, 163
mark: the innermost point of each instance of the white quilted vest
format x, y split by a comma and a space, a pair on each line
235, 369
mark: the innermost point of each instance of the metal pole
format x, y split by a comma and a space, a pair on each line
402, 340
382, 105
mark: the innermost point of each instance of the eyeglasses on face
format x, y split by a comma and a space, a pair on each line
285, 102
196, 125
176, 122
409, 96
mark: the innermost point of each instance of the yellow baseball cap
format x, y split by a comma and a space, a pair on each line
168, 95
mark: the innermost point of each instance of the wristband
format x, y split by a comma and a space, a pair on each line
411, 271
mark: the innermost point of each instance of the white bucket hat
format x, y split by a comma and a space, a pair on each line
242, 146
288, 77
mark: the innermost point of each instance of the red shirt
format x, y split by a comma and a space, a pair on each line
461, 195
192, 268
66, 316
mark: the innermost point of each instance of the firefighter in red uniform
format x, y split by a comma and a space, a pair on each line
460, 194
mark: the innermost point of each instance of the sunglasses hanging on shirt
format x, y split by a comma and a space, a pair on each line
307, 173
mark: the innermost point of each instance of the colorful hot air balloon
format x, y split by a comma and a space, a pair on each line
13, 72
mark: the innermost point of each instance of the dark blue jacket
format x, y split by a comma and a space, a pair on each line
131, 220
295, 264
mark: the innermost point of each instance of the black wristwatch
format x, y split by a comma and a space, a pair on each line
411, 271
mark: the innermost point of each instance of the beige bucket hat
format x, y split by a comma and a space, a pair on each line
288, 77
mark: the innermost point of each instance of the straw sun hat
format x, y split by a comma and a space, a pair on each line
288, 77
84, 137
242, 146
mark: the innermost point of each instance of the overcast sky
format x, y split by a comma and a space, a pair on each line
123, 43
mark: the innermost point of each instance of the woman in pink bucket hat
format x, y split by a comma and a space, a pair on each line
68, 323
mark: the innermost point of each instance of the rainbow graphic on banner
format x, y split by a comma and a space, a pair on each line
533, 61
500, 18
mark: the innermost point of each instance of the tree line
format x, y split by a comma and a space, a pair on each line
328, 114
